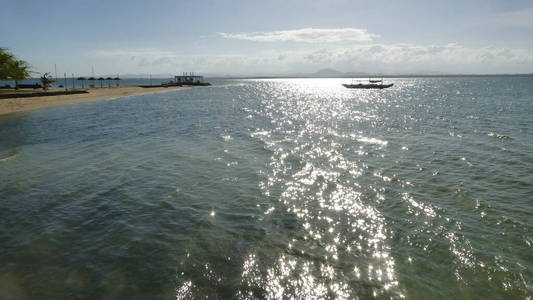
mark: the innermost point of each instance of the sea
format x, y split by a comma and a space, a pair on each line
273, 189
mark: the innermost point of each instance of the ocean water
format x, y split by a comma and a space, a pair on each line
271, 189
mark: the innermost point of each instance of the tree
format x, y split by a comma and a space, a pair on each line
12, 68
46, 80
18, 70
5, 60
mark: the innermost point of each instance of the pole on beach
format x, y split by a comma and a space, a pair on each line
150, 79
73, 81
92, 69
65, 82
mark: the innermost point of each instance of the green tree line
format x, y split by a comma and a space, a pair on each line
12, 68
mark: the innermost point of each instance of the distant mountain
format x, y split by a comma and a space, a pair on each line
356, 74
327, 73
334, 73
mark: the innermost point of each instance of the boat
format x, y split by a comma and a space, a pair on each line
181, 80
190, 79
367, 85
372, 84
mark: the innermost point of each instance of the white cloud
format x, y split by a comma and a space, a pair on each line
309, 35
520, 18
159, 61
409, 58
372, 58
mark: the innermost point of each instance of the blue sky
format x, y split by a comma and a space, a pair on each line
270, 37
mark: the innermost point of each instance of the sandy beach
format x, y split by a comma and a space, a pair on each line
23, 104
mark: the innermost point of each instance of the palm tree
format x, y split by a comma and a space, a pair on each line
109, 81
101, 79
82, 81
46, 80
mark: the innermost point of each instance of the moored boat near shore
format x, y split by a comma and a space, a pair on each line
181, 80
190, 79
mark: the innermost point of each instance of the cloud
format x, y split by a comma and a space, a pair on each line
161, 61
411, 58
308, 35
132, 53
519, 18
371, 58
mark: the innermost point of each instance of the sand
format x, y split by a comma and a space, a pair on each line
23, 104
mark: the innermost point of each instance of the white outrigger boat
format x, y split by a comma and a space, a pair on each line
372, 84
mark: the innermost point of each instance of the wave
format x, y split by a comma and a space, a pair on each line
8, 158
9, 154
499, 136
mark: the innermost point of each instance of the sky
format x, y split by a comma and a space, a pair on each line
278, 37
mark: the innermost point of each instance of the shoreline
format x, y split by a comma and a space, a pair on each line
13, 105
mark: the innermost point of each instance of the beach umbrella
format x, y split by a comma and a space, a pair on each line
101, 79
109, 81
116, 79
92, 78
82, 81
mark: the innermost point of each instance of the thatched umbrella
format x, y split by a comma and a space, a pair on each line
109, 81
93, 79
116, 79
82, 81
101, 79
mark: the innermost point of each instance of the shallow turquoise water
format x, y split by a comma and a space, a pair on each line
273, 188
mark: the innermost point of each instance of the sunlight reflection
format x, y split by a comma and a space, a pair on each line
319, 188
